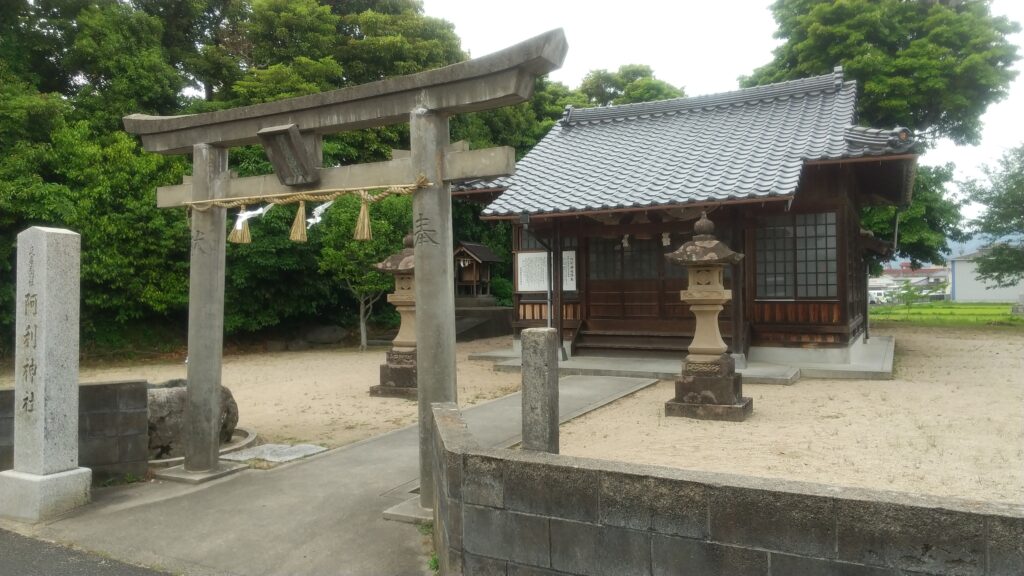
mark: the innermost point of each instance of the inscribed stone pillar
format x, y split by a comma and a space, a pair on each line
541, 351
435, 318
46, 480
205, 311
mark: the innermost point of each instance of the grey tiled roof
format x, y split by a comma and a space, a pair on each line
481, 252
746, 144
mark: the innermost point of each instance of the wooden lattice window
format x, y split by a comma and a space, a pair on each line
796, 256
605, 260
816, 271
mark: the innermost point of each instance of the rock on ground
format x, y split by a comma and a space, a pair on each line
167, 401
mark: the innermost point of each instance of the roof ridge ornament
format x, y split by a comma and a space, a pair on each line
837, 74
566, 115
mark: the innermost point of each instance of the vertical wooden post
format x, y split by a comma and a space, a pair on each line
556, 273
739, 272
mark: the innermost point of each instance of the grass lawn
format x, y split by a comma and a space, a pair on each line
948, 314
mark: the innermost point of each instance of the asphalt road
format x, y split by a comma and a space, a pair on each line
21, 556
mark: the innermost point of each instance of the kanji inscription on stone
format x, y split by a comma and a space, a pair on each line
422, 232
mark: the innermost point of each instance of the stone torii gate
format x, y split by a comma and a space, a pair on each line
291, 130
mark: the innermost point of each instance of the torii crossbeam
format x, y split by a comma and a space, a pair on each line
290, 130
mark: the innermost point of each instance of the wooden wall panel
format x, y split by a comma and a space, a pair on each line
797, 312
539, 311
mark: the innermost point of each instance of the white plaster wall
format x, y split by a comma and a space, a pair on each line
966, 288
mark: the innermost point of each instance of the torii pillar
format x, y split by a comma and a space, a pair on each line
290, 130
433, 242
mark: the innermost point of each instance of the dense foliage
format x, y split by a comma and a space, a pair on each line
630, 84
933, 66
1002, 222
71, 69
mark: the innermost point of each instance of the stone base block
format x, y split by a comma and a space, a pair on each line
394, 392
397, 376
728, 412
32, 498
709, 389
410, 512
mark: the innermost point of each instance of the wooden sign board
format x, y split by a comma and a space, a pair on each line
532, 271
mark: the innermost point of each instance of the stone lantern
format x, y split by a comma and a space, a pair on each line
398, 373
709, 387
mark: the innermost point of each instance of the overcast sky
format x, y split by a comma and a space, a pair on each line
700, 45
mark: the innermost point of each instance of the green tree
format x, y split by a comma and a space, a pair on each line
117, 52
283, 30
631, 83
134, 256
925, 226
275, 282
932, 66
34, 40
204, 39
1002, 222
376, 45
297, 78
351, 262
27, 118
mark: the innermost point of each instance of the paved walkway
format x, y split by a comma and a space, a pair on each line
23, 556
322, 515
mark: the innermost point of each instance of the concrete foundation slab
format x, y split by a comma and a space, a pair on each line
659, 368
180, 474
32, 497
863, 360
870, 360
274, 452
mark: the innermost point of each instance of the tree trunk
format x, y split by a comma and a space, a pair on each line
362, 323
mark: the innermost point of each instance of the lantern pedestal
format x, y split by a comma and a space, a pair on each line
397, 376
398, 373
709, 387
710, 391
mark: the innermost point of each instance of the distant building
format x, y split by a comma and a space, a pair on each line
935, 277
965, 286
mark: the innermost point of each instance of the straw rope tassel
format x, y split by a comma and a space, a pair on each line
363, 231
299, 226
240, 233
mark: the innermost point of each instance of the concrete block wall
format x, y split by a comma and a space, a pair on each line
511, 512
113, 429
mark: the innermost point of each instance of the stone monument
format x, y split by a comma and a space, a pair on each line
541, 351
46, 480
709, 387
398, 373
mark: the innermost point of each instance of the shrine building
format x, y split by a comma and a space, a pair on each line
783, 171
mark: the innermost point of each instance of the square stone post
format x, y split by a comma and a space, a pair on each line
46, 480
433, 243
205, 311
541, 351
